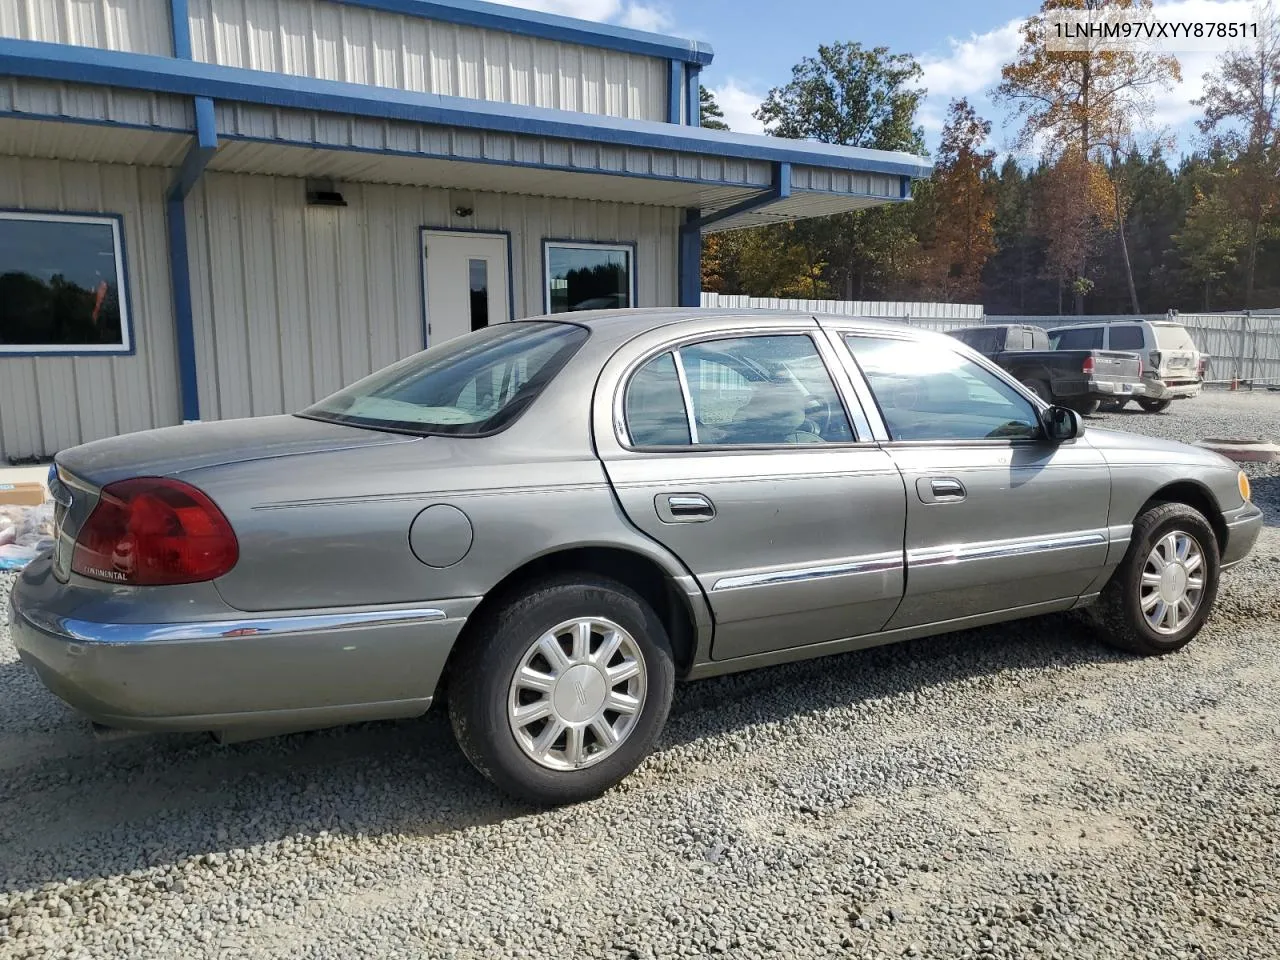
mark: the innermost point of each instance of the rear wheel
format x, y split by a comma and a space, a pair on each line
1040, 388
1154, 406
1114, 406
1165, 588
561, 693
1085, 408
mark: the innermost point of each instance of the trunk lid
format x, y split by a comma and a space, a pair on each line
175, 450
80, 473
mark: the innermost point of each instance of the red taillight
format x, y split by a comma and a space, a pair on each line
1088, 365
1200, 367
151, 532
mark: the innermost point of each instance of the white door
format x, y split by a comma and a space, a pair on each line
467, 282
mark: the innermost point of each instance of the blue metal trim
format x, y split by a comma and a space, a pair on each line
184, 325
422, 269
904, 188
189, 78
200, 153
126, 324
693, 95
674, 78
782, 181
547, 26
180, 28
553, 241
690, 270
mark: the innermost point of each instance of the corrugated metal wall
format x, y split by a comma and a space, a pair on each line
316, 38
49, 403
293, 302
136, 26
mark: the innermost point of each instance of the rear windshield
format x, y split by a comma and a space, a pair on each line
472, 386
984, 341
1173, 337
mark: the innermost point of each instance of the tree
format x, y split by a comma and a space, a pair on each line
958, 207
1242, 118
855, 97
1087, 102
1210, 241
710, 114
851, 96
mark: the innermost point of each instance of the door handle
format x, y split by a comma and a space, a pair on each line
940, 490
684, 508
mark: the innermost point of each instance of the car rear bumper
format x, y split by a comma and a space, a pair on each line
241, 677
1243, 527
1172, 389
1114, 389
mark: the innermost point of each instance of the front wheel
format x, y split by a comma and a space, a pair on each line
561, 693
1165, 588
1040, 388
1154, 406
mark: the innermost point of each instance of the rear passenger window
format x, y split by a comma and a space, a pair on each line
742, 391
654, 406
1126, 338
1077, 338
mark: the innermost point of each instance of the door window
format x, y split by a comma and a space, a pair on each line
1126, 338
928, 392
744, 391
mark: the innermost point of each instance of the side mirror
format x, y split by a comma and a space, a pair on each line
1062, 424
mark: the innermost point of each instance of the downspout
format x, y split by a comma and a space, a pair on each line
201, 151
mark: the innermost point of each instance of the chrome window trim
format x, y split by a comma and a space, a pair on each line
683, 379
1001, 549
86, 631
871, 563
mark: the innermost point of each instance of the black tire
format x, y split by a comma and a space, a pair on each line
1119, 608
1113, 406
1154, 406
481, 677
1086, 408
1040, 388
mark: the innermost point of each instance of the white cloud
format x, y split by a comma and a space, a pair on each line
971, 68
738, 105
640, 16
628, 13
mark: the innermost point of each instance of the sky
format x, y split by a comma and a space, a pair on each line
960, 46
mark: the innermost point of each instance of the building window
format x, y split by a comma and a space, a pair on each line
589, 276
62, 285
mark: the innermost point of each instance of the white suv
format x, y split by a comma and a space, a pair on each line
1172, 365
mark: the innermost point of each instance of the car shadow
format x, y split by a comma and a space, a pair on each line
75, 807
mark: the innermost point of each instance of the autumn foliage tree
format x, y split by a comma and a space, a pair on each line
1077, 105
958, 228
1242, 118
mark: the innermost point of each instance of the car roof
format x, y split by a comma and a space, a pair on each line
636, 320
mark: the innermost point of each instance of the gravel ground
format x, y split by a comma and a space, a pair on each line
1010, 792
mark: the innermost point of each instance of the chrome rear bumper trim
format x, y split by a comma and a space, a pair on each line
86, 631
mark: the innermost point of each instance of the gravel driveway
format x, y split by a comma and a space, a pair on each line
1014, 792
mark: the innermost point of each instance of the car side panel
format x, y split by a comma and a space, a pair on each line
1032, 527
804, 546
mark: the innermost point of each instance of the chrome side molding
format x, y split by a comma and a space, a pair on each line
871, 563
999, 549
87, 631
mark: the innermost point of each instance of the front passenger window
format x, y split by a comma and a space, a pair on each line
927, 392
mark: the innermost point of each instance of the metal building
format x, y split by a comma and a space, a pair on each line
224, 208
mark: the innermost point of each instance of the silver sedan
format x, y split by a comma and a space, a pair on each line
555, 519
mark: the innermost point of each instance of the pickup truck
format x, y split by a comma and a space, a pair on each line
1079, 379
